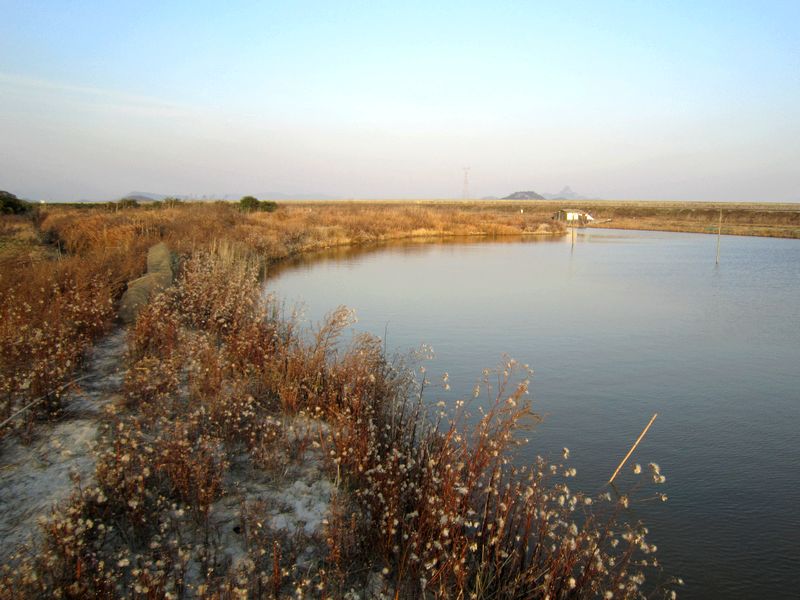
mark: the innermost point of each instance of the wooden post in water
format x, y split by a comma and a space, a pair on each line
636, 443
719, 233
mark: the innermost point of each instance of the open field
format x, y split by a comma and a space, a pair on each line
760, 219
738, 218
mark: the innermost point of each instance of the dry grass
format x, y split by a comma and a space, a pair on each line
754, 219
739, 218
20, 241
52, 310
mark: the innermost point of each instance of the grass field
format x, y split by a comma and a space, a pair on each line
738, 218
760, 219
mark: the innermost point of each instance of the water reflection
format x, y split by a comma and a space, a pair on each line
413, 246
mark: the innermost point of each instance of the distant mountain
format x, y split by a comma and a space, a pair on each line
565, 194
524, 196
280, 196
143, 196
152, 197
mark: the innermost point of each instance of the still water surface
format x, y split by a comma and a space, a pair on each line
619, 326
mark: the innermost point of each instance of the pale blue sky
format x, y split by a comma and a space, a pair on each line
642, 100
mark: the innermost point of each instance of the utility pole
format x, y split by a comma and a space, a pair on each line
465, 191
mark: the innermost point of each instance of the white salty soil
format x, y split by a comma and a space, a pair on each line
295, 505
34, 477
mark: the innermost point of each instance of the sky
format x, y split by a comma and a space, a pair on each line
695, 100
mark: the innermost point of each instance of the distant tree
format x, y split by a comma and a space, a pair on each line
127, 203
170, 202
249, 203
11, 205
267, 205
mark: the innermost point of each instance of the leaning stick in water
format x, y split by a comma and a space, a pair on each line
636, 443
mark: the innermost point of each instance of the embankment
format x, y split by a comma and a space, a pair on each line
766, 220
738, 218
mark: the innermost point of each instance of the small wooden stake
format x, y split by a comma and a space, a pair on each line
719, 233
636, 443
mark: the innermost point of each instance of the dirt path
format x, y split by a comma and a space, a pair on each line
35, 477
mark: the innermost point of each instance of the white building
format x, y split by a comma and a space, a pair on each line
573, 216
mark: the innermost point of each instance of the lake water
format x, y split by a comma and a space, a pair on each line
618, 326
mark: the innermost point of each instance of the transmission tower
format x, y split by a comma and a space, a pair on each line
465, 191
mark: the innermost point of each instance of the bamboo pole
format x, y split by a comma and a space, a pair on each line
636, 443
719, 233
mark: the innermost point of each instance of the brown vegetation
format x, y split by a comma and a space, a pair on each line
767, 220
738, 218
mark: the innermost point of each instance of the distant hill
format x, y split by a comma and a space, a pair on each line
280, 196
143, 197
565, 194
152, 197
530, 195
